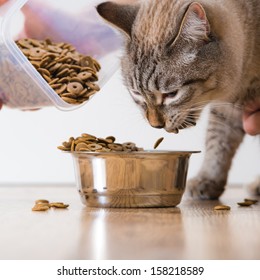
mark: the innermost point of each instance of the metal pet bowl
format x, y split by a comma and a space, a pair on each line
131, 179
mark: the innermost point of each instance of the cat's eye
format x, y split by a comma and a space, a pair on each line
135, 92
170, 94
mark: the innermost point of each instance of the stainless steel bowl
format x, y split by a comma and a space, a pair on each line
134, 179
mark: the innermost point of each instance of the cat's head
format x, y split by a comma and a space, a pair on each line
170, 64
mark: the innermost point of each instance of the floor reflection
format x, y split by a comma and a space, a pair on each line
129, 233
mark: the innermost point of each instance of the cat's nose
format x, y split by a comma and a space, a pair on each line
155, 118
158, 126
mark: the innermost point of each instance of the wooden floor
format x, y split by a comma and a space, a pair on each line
193, 230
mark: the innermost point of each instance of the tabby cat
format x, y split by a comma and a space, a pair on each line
180, 56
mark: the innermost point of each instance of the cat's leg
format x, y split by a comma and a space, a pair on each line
224, 135
254, 187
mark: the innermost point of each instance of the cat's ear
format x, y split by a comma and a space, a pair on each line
121, 16
195, 25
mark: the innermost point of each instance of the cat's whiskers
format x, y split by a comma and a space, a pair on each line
186, 124
203, 105
193, 114
189, 122
197, 110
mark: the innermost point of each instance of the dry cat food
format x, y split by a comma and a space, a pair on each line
158, 142
90, 143
247, 202
44, 205
222, 207
70, 74
253, 201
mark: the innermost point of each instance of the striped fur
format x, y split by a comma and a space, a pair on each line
181, 56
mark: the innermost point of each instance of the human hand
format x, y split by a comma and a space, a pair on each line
251, 117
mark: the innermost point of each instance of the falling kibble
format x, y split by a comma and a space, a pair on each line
158, 142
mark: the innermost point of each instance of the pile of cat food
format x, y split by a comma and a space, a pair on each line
90, 143
70, 74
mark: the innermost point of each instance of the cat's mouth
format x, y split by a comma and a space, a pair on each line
190, 121
172, 130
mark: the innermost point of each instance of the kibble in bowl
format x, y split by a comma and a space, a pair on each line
123, 175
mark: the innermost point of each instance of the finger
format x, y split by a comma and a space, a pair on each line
251, 123
252, 106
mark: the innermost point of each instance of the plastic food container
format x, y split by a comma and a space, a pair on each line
131, 179
74, 22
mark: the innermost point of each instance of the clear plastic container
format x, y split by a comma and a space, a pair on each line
74, 22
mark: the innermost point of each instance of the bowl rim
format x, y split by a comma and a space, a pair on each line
135, 153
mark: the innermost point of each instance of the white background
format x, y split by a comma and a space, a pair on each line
29, 140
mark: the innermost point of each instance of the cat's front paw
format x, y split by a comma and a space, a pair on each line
254, 187
204, 188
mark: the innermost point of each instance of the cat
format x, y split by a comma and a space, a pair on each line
180, 56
